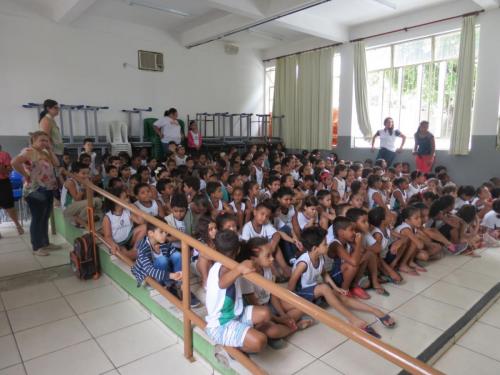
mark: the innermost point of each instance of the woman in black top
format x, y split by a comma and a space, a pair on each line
425, 148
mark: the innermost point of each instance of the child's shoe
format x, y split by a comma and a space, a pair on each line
359, 292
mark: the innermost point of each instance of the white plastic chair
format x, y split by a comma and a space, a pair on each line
117, 136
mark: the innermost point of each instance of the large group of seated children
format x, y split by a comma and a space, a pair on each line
325, 228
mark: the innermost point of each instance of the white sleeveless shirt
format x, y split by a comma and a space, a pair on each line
310, 276
121, 226
340, 186
153, 210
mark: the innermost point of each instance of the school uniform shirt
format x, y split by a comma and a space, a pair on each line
413, 190
394, 203
368, 240
180, 161
341, 186
330, 235
177, 224
263, 296
491, 220
259, 175
66, 198
310, 276
303, 220
153, 210
249, 231
459, 203
233, 207
295, 174
223, 305
371, 202
384, 244
121, 225
284, 219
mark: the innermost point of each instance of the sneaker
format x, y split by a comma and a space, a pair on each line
195, 302
276, 344
41, 253
359, 292
364, 282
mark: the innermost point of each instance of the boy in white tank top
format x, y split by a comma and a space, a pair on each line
304, 281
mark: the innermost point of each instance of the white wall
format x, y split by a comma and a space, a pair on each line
82, 64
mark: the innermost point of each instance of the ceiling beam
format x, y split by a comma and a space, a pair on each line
246, 8
68, 11
488, 4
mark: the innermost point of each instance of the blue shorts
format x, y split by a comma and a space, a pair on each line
336, 273
306, 293
389, 257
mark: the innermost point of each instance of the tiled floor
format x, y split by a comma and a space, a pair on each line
423, 307
67, 326
478, 350
16, 255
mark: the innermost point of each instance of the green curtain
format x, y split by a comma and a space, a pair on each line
314, 100
461, 130
360, 89
285, 96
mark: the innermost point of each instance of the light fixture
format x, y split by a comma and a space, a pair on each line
387, 3
175, 12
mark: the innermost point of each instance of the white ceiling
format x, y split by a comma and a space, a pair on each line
209, 18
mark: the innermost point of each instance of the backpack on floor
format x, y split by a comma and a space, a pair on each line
82, 257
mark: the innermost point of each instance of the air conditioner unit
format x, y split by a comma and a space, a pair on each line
150, 61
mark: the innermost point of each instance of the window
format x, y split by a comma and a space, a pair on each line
270, 73
414, 81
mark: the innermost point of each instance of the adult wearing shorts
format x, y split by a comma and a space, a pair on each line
388, 137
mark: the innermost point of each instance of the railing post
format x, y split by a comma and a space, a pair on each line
186, 302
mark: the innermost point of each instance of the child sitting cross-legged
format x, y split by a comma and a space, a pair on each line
286, 319
156, 258
118, 226
309, 267
229, 322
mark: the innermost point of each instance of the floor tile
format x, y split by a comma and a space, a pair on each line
112, 318
415, 284
70, 285
316, 368
409, 335
131, 343
29, 295
483, 339
39, 313
85, 358
350, 358
155, 364
453, 295
4, 324
11, 238
453, 261
56, 258
50, 337
485, 265
285, 361
461, 361
14, 370
96, 298
435, 270
9, 355
317, 340
431, 312
14, 246
397, 298
471, 280
492, 316
2, 308
17, 262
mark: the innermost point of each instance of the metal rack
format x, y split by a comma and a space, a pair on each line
137, 111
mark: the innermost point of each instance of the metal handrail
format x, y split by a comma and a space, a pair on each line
390, 353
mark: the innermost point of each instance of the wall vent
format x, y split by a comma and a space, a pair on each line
152, 61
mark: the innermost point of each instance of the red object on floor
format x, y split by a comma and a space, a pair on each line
359, 292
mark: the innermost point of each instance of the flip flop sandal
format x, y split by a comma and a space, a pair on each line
305, 322
371, 331
385, 321
381, 291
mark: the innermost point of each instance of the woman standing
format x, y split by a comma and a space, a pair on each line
388, 141
36, 163
425, 148
168, 129
49, 126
